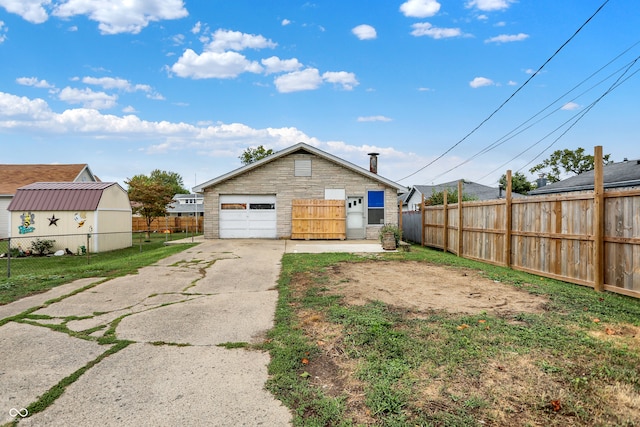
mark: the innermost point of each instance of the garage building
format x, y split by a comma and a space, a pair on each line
257, 200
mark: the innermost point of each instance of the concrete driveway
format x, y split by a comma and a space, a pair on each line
175, 314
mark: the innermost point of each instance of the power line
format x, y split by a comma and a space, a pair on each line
512, 95
578, 116
515, 132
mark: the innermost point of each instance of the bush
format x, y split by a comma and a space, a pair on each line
390, 228
42, 247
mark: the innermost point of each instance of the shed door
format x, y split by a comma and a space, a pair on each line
247, 216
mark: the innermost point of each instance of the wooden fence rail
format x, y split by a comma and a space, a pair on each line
170, 223
590, 238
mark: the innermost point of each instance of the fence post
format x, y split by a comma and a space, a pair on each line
460, 218
9, 259
508, 222
422, 221
88, 251
400, 216
598, 221
445, 221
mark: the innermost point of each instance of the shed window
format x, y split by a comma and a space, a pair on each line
375, 207
302, 167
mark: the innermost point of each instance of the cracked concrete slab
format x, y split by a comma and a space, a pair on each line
20, 306
169, 386
219, 291
123, 292
44, 358
208, 320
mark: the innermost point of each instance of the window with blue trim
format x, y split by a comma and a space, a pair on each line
375, 207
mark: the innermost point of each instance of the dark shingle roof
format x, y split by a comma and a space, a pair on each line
473, 189
614, 175
59, 196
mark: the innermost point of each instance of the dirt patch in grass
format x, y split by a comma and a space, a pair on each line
512, 388
422, 287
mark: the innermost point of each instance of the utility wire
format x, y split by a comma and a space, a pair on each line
577, 118
512, 95
516, 131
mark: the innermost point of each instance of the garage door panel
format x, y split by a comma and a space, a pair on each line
248, 216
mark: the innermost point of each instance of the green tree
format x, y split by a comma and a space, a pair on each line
567, 162
150, 197
437, 197
251, 155
172, 179
519, 183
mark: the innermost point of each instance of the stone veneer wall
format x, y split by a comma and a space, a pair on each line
278, 178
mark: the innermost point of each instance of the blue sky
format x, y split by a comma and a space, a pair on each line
129, 86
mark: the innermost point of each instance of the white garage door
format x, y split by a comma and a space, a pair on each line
243, 216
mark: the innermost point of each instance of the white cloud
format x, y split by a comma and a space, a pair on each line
108, 83
3, 32
129, 109
88, 98
480, 82
34, 82
420, 8
426, 29
277, 65
425, 89
365, 32
16, 107
30, 10
285, 22
507, 38
489, 5
117, 16
209, 65
570, 106
512, 83
196, 28
308, 79
347, 80
374, 119
235, 40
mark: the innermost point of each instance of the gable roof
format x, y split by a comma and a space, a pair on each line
13, 177
293, 149
614, 175
59, 196
479, 191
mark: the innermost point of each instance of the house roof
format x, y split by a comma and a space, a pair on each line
13, 177
473, 189
293, 149
178, 207
614, 175
59, 196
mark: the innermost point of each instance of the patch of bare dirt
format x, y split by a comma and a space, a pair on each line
512, 386
422, 287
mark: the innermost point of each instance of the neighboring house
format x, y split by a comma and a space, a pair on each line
68, 212
13, 177
256, 200
186, 205
625, 174
477, 191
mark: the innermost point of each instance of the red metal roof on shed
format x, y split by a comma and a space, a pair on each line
59, 196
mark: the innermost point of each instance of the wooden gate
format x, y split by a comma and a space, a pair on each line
313, 219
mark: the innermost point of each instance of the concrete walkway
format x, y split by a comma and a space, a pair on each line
175, 313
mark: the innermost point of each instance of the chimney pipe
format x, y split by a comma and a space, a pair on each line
373, 162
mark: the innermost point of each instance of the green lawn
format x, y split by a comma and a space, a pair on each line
577, 363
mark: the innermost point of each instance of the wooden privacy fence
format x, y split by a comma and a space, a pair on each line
171, 223
318, 219
590, 238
